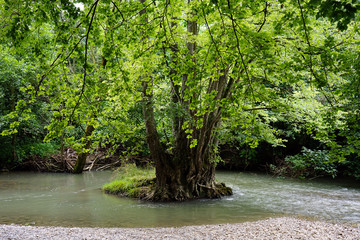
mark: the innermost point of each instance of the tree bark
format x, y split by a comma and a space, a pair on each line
81, 160
189, 173
157, 152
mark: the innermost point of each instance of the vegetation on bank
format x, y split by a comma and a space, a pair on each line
131, 181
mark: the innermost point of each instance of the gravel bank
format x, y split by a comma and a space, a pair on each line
273, 228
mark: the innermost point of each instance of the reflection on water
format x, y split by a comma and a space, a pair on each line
76, 200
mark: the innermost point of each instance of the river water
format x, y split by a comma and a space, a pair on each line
76, 200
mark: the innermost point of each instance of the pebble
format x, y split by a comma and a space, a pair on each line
273, 228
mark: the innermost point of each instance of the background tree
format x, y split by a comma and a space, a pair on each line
21, 127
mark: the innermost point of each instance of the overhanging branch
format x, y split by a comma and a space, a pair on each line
85, 59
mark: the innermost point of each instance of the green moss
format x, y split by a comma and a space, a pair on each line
224, 190
131, 182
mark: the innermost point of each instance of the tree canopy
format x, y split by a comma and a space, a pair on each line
195, 72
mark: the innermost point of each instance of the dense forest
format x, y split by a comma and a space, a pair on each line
184, 86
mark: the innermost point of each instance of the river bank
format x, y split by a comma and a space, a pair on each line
272, 228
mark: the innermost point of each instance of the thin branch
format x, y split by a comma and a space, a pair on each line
132, 16
53, 64
85, 59
221, 15
265, 12
122, 16
310, 51
238, 48
212, 37
259, 108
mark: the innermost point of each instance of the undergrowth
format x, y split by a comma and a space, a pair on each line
131, 181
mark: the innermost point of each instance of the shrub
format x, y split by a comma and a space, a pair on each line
309, 164
352, 166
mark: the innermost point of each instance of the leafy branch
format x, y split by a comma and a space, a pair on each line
85, 59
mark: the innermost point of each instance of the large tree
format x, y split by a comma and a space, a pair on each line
193, 62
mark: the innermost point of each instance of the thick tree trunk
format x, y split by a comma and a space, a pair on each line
152, 138
81, 160
187, 173
157, 151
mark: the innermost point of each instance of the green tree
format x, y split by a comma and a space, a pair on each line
212, 60
13, 77
21, 126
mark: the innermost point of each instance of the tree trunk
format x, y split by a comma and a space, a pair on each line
157, 152
81, 160
189, 173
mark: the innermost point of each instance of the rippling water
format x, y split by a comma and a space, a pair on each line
76, 200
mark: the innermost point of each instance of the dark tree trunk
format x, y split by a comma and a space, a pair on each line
189, 172
81, 160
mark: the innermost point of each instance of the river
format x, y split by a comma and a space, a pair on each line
76, 200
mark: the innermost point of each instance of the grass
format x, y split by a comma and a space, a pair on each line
131, 181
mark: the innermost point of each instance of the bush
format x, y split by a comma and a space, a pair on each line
352, 166
43, 150
24, 150
308, 164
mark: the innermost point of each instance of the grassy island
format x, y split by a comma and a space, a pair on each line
132, 182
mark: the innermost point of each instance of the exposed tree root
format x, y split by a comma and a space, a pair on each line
182, 193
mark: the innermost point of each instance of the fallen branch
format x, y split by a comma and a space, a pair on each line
107, 166
69, 166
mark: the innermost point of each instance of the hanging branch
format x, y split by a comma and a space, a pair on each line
53, 64
311, 52
239, 50
122, 16
212, 37
85, 59
307, 39
265, 12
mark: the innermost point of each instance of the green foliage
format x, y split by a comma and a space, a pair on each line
310, 163
21, 124
352, 166
24, 150
131, 181
38, 149
341, 12
254, 65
